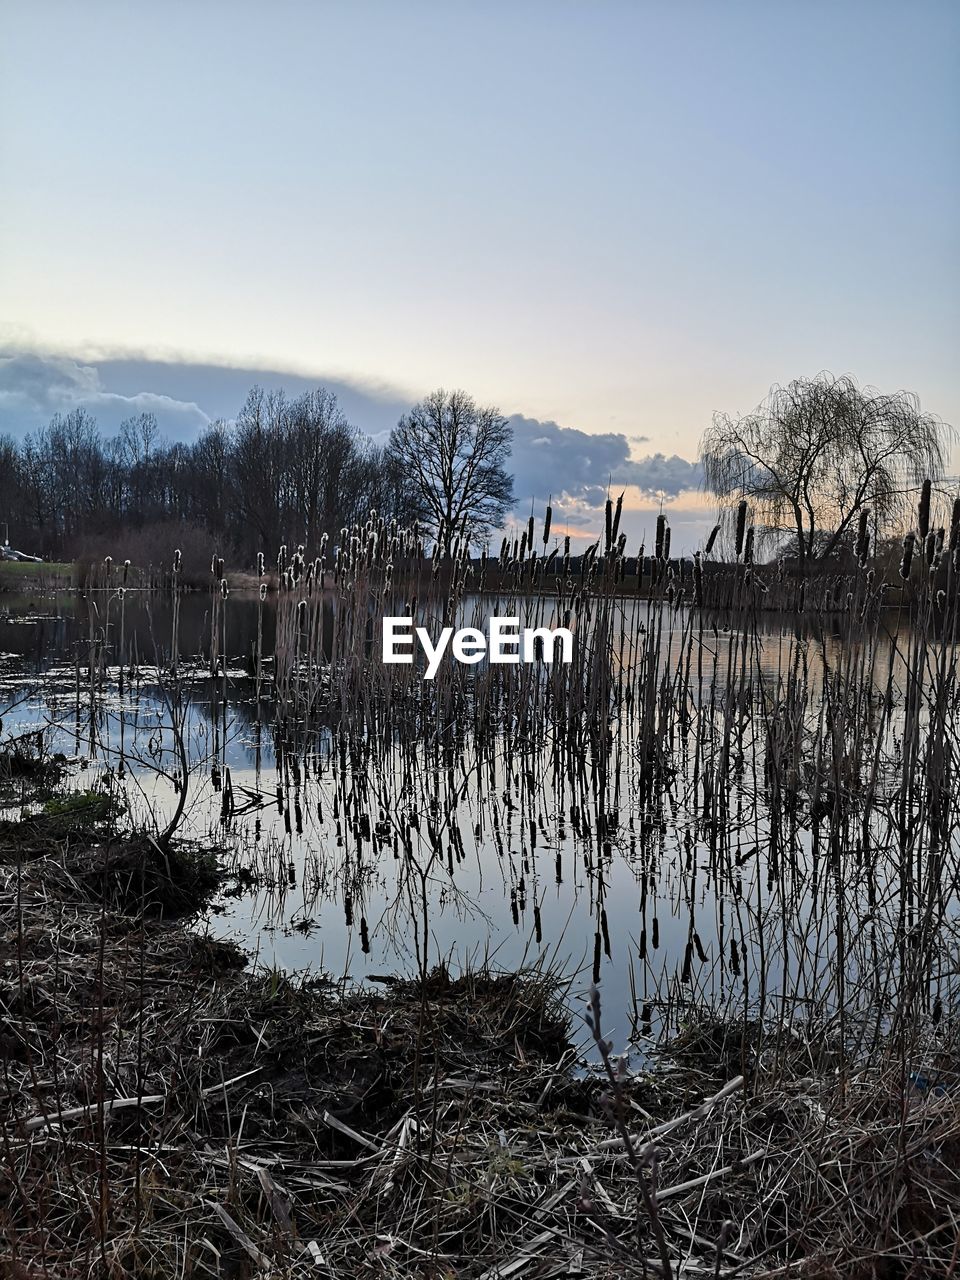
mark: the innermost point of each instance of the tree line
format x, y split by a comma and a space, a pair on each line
817, 463
285, 470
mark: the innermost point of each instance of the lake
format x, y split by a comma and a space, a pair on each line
702, 853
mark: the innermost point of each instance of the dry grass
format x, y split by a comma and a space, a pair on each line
166, 1112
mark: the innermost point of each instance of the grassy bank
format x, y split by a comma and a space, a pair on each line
20, 576
168, 1111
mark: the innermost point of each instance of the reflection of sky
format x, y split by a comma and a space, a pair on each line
659, 893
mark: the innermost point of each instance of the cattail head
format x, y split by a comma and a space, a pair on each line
741, 528
224, 589
748, 542
714, 534
955, 526
923, 512
260, 564
176, 561
659, 548
263, 591
907, 558
547, 519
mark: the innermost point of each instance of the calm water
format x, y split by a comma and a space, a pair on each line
526, 862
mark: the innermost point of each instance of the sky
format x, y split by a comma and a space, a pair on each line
608, 219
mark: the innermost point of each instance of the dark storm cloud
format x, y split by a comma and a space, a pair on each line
552, 460
184, 397
35, 387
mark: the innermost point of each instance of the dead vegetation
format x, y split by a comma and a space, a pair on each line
166, 1111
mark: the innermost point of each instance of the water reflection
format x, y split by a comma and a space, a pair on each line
671, 865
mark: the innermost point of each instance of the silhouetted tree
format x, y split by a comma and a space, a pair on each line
453, 454
817, 452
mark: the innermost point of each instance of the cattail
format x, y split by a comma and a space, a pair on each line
263, 591
863, 538
530, 530
661, 538
666, 543
213, 565
260, 564
224, 589
714, 534
282, 557
616, 516
955, 526
697, 578
608, 525
546, 524
176, 561
748, 545
741, 526
923, 514
907, 560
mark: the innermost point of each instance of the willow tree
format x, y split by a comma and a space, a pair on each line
819, 451
453, 454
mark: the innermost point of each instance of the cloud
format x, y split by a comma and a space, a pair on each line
577, 468
34, 387
184, 396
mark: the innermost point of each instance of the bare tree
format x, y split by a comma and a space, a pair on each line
453, 453
817, 452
